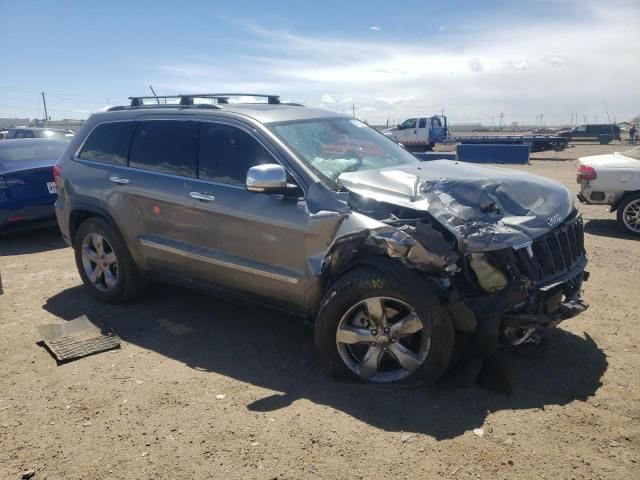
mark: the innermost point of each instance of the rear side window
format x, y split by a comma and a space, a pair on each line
226, 153
108, 143
165, 146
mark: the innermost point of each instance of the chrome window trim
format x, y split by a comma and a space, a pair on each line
219, 262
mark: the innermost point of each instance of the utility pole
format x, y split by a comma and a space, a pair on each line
46, 114
353, 109
541, 120
500, 125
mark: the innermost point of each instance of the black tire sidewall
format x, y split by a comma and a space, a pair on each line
360, 284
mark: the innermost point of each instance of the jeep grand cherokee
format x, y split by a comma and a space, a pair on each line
396, 262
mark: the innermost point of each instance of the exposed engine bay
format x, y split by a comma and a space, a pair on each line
506, 254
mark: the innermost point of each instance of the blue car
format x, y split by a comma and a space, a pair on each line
27, 187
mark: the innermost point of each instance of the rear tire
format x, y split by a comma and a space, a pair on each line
408, 349
105, 264
629, 214
605, 139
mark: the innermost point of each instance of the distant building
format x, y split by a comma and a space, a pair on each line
71, 124
13, 122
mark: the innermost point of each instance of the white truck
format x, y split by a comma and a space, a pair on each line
419, 134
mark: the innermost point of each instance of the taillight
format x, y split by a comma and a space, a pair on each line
585, 172
57, 172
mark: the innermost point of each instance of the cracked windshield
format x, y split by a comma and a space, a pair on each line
332, 146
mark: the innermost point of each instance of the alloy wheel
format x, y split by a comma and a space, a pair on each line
382, 339
631, 216
99, 262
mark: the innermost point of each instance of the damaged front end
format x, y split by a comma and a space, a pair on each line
505, 251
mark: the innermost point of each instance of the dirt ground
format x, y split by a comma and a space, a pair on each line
208, 388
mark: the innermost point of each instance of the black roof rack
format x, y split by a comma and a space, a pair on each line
188, 99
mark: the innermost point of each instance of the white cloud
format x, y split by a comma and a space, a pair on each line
523, 65
475, 64
555, 61
375, 28
326, 98
395, 100
346, 100
442, 28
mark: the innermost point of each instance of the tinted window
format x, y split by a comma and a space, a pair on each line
109, 143
167, 146
423, 123
27, 134
226, 153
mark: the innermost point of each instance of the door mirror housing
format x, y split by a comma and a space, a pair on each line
268, 178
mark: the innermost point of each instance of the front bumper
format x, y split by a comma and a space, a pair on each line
544, 280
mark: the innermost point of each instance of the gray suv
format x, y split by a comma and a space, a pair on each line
403, 267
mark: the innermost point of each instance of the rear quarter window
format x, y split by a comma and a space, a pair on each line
108, 143
165, 146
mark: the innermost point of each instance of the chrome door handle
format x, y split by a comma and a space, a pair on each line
205, 197
119, 180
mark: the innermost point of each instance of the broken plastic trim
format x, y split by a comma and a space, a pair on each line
399, 244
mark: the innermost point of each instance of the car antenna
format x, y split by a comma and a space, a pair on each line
154, 94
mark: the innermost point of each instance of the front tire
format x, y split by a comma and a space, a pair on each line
374, 328
105, 264
629, 214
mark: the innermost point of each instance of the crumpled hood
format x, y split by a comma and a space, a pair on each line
486, 208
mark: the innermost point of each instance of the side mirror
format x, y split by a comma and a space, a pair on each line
268, 178
400, 127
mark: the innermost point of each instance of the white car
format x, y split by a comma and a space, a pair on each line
613, 179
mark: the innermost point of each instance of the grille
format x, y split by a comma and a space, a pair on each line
554, 253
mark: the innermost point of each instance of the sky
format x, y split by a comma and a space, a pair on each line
534, 62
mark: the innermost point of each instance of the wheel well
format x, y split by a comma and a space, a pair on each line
80, 215
351, 255
622, 198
